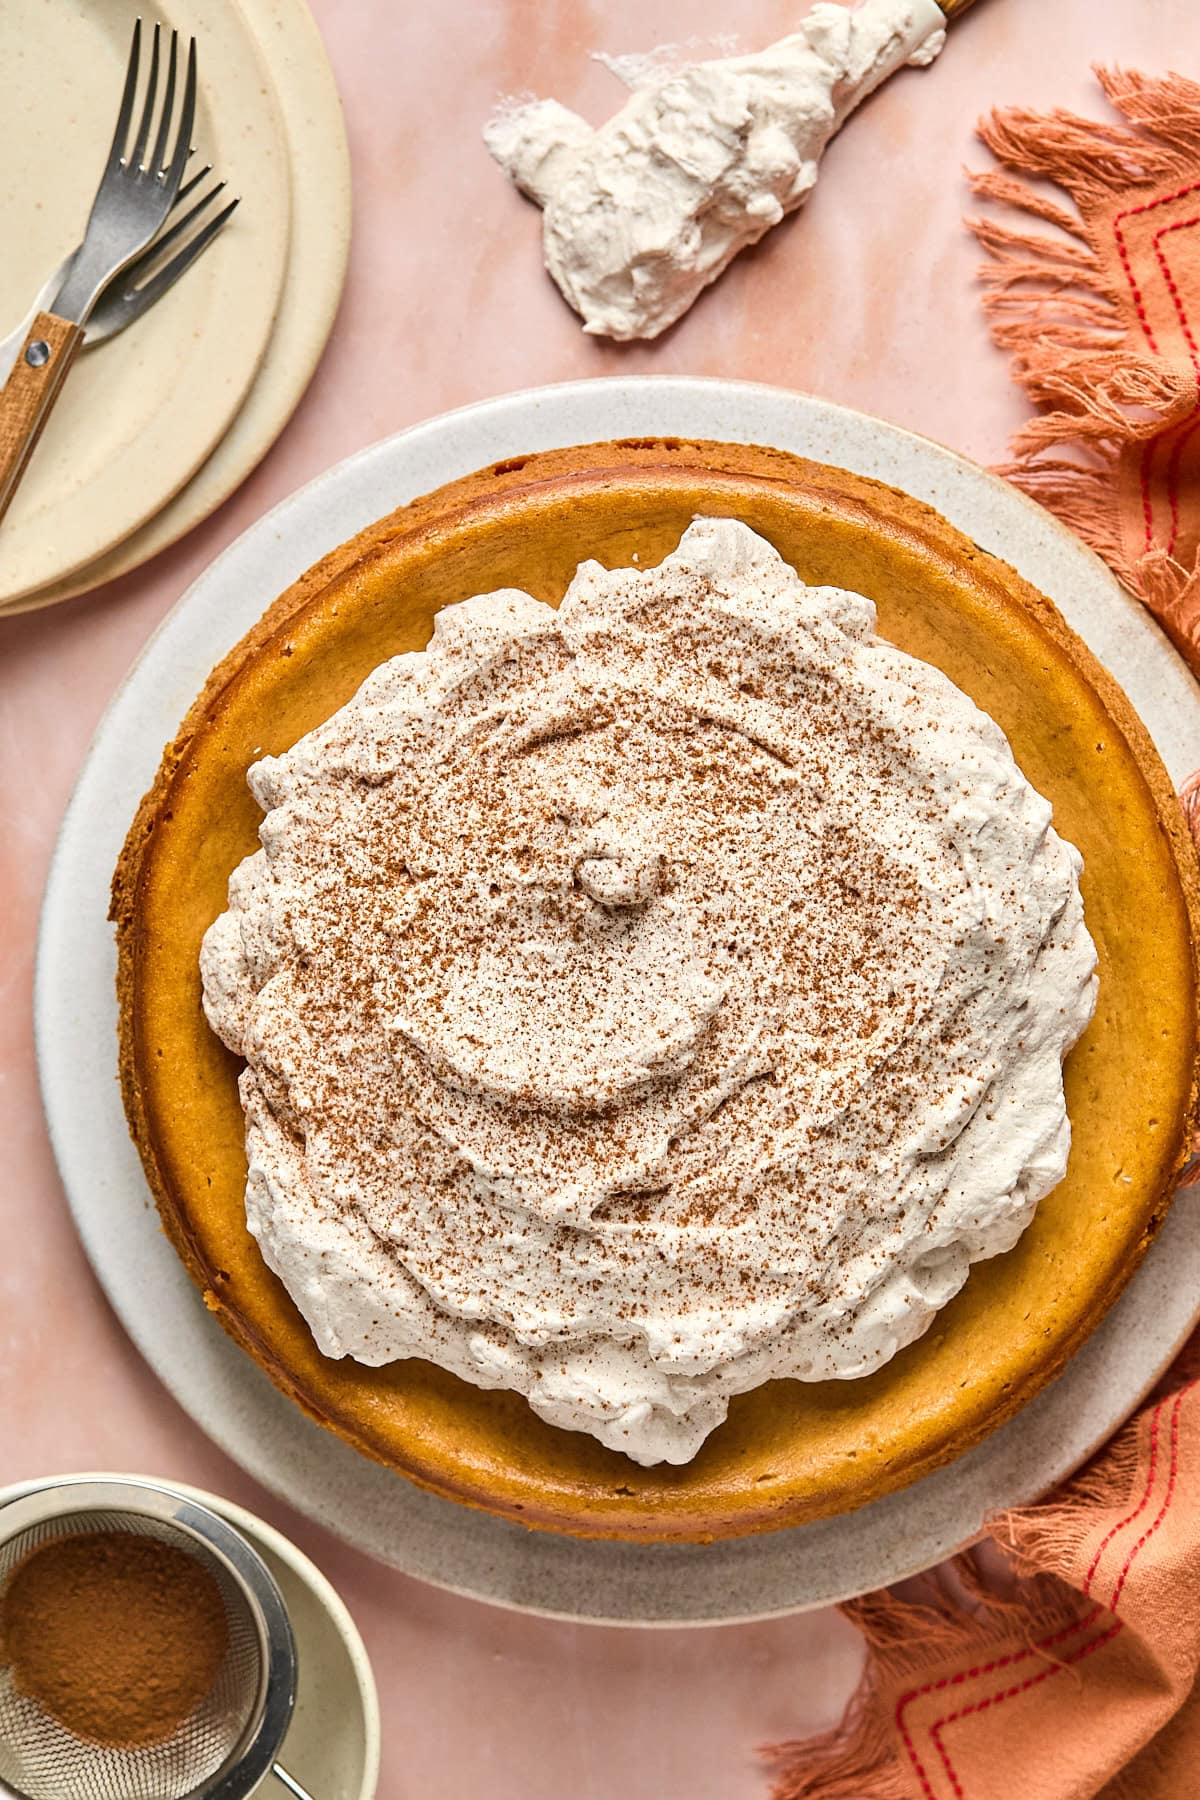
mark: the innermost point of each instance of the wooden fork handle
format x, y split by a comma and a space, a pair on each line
27, 397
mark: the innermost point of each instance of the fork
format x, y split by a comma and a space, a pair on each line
132, 203
123, 301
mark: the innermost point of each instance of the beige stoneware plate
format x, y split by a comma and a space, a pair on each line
141, 413
437, 1540
308, 102
332, 1743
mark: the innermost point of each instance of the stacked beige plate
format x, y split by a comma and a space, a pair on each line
160, 424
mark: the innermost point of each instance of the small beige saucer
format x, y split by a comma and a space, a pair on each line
307, 97
140, 414
332, 1743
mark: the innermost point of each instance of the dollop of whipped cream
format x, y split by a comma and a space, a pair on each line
649, 998
641, 214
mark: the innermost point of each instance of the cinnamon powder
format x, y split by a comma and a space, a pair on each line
118, 1637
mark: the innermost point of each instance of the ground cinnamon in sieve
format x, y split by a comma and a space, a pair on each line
119, 1637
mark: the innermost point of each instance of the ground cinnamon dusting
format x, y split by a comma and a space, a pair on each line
117, 1637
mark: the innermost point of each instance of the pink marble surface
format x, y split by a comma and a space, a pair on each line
867, 298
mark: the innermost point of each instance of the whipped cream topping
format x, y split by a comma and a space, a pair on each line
647, 999
641, 214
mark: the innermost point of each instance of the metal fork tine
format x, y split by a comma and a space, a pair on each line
170, 236
187, 116
121, 133
143, 136
192, 183
158, 284
158, 157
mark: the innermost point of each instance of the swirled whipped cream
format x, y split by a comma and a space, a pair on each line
642, 213
648, 998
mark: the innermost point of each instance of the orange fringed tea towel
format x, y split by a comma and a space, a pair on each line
1102, 316
1059, 1661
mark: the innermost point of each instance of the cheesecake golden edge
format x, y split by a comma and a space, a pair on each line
644, 455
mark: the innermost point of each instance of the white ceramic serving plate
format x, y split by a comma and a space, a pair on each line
223, 1390
139, 414
307, 99
332, 1743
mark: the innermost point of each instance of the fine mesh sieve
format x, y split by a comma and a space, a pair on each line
229, 1741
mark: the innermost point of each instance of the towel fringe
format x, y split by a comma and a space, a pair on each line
1093, 160
855, 1761
1052, 308
1045, 1538
916, 1640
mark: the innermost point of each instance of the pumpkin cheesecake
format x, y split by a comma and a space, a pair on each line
682, 1059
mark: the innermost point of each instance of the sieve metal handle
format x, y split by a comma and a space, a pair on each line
285, 1780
